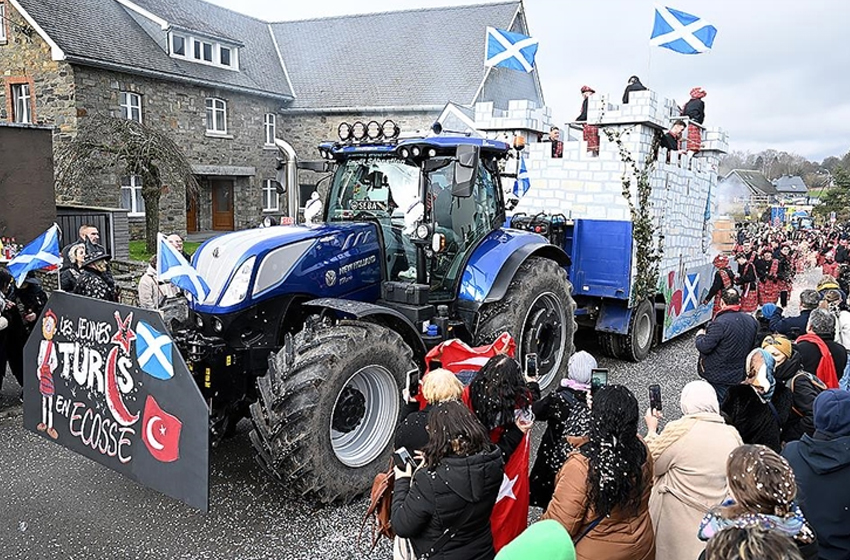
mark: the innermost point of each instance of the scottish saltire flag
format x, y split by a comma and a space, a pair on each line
43, 251
172, 267
510, 50
681, 32
690, 291
153, 352
522, 183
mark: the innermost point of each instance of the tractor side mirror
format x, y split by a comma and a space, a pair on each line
280, 176
466, 171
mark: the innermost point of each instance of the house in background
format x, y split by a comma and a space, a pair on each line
741, 188
225, 85
791, 186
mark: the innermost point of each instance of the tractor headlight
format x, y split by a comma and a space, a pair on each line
199, 321
217, 325
422, 231
238, 288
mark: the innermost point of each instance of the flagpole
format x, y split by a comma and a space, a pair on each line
59, 268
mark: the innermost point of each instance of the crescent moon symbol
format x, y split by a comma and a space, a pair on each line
149, 431
113, 395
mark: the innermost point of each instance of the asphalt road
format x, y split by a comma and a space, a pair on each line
55, 504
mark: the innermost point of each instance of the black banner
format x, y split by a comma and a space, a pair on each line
106, 381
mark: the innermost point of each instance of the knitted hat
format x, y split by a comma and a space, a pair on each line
822, 322
828, 283
580, 365
809, 299
721, 261
832, 413
544, 540
779, 343
768, 310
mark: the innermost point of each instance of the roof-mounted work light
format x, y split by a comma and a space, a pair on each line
390, 129
358, 131
344, 131
373, 130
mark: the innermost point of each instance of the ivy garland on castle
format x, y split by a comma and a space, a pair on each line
647, 238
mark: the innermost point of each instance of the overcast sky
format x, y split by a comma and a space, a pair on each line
778, 76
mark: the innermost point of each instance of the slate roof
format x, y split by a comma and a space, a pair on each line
104, 33
791, 185
755, 180
426, 57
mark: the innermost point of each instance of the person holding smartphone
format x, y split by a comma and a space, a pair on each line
444, 508
440, 385
689, 468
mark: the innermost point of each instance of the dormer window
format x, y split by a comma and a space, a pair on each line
203, 50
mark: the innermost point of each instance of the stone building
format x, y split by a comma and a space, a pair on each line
225, 85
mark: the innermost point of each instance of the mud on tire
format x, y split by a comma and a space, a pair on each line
324, 423
538, 311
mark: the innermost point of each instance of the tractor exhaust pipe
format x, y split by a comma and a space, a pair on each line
287, 177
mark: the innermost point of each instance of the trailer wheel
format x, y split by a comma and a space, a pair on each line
635, 345
325, 417
609, 343
538, 311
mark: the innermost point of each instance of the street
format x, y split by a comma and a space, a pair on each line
59, 505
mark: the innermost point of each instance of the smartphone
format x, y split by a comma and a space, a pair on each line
598, 378
531, 365
413, 377
655, 397
402, 458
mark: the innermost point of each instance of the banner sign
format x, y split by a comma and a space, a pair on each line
106, 381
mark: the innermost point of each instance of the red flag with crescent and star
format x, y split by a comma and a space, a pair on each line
161, 432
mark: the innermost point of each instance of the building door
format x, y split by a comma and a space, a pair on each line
222, 204
192, 224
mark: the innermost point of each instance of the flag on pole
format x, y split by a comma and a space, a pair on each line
172, 267
681, 32
42, 252
522, 183
510, 50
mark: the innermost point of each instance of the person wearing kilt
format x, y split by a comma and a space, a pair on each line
723, 278
748, 282
767, 270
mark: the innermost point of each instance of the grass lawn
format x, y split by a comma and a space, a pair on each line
138, 253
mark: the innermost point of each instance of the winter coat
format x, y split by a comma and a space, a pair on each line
152, 292
636, 86
68, 278
792, 327
822, 469
690, 478
754, 419
410, 432
810, 355
567, 414
436, 499
582, 116
842, 333
694, 109
94, 285
620, 536
724, 347
803, 393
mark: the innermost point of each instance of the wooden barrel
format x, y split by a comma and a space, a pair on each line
723, 236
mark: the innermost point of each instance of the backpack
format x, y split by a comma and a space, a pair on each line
804, 387
380, 507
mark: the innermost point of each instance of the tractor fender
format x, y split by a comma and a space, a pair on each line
494, 263
377, 314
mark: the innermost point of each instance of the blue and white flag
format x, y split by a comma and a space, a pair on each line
522, 182
691, 289
41, 252
682, 33
153, 352
510, 50
172, 267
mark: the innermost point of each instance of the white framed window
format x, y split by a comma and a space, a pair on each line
2, 22
178, 45
21, 103
131, 106
224, 57
131, 195
269, 124
271, 200
202, 50
216, 116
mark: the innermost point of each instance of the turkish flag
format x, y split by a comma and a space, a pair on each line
510, 514
161, 432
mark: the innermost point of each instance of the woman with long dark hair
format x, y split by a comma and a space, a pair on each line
444, 507
602, 491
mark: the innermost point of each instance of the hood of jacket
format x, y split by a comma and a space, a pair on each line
825, 455
789, 368
468, 477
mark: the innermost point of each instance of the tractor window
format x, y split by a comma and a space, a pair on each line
372, 187
464, 222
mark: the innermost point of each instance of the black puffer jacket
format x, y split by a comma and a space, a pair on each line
410, 432
754, 419
724, 347
803, 391
436, 499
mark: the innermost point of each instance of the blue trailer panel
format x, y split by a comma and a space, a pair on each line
601, 252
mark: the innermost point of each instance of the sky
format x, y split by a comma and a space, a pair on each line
778, 76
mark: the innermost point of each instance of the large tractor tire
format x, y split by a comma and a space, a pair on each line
635, 345
538, 311
328, 408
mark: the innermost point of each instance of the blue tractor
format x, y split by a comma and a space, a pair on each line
314, 328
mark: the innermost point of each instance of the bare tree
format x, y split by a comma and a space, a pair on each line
105, 143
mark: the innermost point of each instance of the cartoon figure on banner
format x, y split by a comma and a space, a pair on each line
47, 364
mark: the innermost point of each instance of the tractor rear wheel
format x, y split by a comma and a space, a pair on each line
538, 311
326, 413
